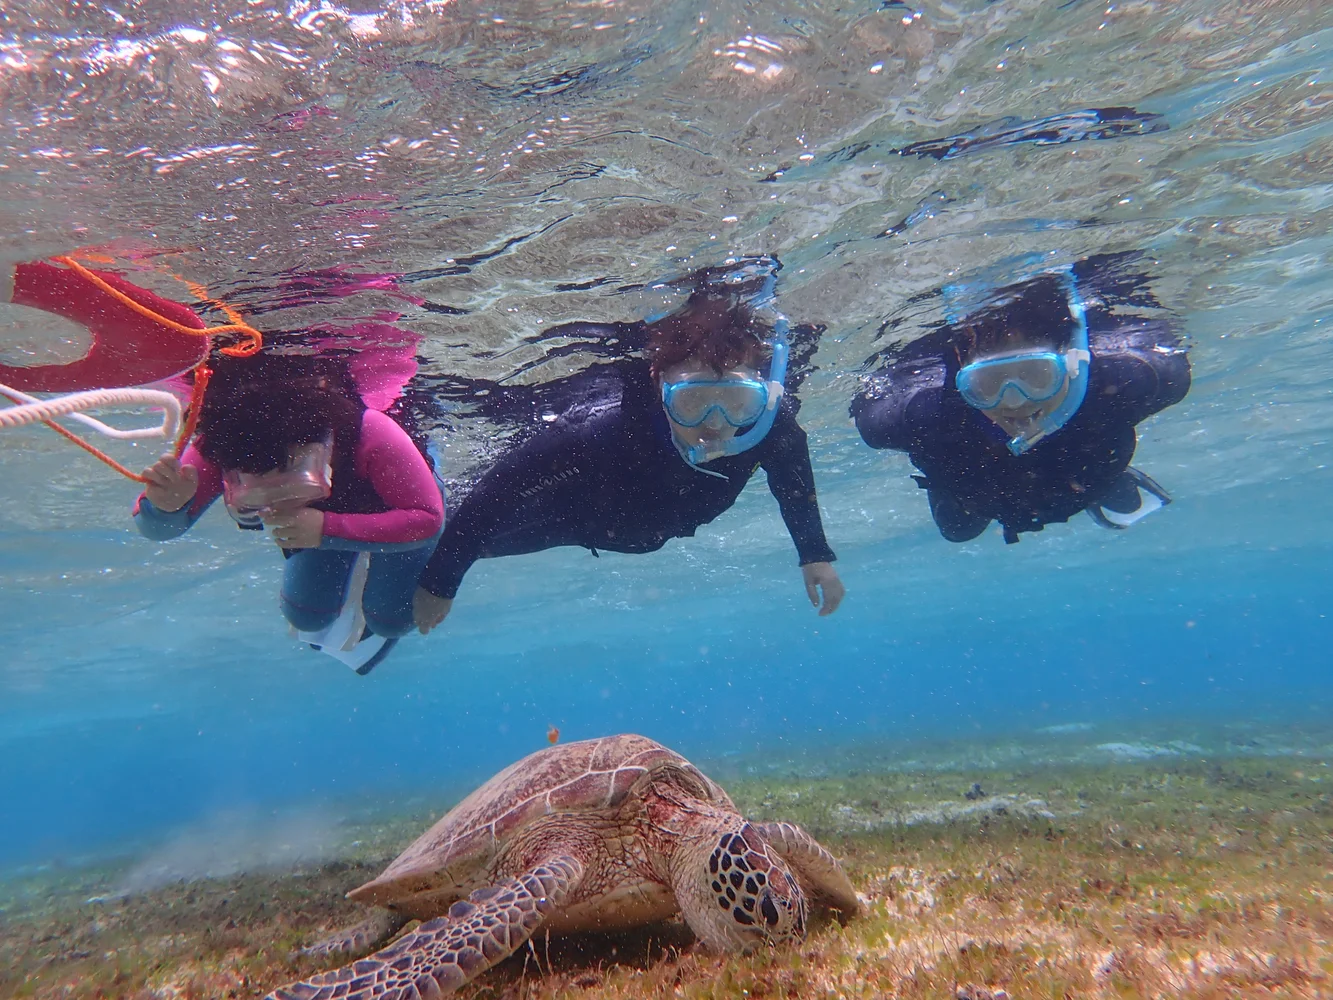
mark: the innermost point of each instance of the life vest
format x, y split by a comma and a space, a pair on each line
351, 493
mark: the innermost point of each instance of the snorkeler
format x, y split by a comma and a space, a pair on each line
1023, 411
291, 447
664, 449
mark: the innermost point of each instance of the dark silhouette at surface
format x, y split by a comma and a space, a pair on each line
1071, 126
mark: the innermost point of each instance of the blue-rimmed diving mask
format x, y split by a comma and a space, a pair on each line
737, 400
741, 402
1013, 379
1020, 378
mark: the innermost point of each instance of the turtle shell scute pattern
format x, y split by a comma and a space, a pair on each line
589, 774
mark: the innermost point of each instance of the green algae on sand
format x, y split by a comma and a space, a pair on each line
1162, 875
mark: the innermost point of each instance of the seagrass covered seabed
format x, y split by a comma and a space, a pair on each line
1185, 862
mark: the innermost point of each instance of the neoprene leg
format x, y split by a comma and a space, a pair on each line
387, 600
955, 523
314, 584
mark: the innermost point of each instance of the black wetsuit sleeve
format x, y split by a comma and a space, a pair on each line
493, 507
785, 458
900, 419
898, 410
1137, 384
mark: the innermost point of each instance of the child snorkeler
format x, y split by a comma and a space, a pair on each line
290, 446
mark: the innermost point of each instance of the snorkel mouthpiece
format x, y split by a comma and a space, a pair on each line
1024, 443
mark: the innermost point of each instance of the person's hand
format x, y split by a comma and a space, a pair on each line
301, 528
821, 576
170, 485
429, 610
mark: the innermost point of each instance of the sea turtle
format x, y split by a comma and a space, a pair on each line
594, 835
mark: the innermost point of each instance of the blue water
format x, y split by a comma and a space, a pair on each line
147, 688
150, 725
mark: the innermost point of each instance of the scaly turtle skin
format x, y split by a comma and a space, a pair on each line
601, 834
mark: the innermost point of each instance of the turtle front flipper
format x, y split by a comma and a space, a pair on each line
817, 869
443, 954
359, 938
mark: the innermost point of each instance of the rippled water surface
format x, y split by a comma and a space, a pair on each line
496, 169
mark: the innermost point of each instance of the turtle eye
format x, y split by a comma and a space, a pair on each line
769, 911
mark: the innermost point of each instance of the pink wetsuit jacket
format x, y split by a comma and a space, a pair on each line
385, 457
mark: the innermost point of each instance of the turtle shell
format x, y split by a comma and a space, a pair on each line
446, 861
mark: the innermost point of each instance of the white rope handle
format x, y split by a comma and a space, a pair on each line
37, 410
134, 433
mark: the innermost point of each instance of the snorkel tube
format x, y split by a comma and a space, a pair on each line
1078, 358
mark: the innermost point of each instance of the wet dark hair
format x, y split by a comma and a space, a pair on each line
1031, 314
257, 408
719, 329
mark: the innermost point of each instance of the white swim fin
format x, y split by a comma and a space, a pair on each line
347, 639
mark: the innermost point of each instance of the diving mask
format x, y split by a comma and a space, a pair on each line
1013, 380
306, 478
738, 400
1032, 377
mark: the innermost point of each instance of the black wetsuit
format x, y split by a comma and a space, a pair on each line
606, 475
1138, 368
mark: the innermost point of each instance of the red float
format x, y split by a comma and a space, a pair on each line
128, 349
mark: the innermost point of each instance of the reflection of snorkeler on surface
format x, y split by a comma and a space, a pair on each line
1069, 126
290, 445
1023, 411
1053, 130
655, 453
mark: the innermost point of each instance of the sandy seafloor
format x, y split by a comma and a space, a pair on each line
1181, 859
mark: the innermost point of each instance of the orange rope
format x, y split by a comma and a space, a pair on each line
202, 373
256, 339
201, 293
201, 376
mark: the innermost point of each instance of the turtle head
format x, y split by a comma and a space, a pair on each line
737, 893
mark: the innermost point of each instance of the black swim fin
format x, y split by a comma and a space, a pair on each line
377, 657
1115, 511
